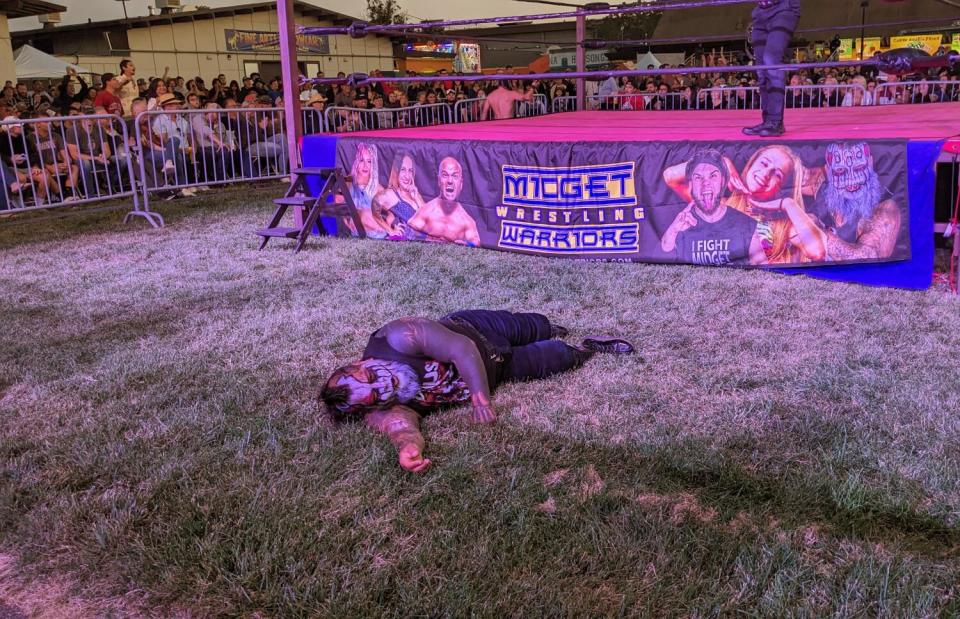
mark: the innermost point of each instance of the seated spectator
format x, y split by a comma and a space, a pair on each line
313, 114
61, 172
89, 150
630, 99
215, 153
19, 155
172, 130
858, 96
10, 189
267, 143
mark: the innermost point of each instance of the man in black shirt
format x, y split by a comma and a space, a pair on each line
708, 231
416, 365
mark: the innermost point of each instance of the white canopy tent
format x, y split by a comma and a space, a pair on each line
31, 63
648, 59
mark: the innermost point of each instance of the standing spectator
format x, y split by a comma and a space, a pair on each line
107, 98
129, 90
21, 98
67, 96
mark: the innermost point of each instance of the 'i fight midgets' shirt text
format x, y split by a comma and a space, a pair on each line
726, 241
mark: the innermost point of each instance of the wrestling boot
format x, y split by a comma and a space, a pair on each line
609, 345
557, 332
771, 131
756, 129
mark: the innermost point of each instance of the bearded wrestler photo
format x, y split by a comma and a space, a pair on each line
860, 219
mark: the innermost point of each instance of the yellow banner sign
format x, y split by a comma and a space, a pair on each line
955, 43
850, 48
929, 43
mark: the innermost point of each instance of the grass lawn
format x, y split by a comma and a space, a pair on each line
780, 446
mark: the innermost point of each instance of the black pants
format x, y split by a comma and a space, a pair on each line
524, 342
773, 29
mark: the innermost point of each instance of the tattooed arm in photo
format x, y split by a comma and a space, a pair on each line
877, 239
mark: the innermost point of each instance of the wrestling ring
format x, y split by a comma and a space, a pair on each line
846, 194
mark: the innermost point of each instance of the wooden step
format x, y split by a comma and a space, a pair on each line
314, 171
289, 233
295, 201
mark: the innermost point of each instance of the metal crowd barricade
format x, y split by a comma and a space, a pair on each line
536, 107
639, 101
67, 161
341, 119
186, 149
945, 90
468, 110
800, 96
564, 103
314, 121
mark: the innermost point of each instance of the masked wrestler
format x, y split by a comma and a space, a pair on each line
413, 366
366, 185
770, 188
444, 218
400, 200
860, 221
707, 231
774, 22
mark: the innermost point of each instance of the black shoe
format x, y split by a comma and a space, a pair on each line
754, 130
610, 345
558, 333
772, 130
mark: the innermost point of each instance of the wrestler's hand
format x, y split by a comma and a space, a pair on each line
770, 209
684, 220
483, 413
412, 460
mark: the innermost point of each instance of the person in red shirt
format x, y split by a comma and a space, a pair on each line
107, 98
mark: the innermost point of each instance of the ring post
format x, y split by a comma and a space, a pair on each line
291, 83
581, 61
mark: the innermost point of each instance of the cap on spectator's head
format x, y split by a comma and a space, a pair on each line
451, 91
265, 100
316, 98
87, 109
167, 99
250, 96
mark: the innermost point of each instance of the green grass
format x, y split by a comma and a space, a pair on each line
779, 446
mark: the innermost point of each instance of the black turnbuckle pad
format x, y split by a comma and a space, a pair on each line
357, 29
356, 79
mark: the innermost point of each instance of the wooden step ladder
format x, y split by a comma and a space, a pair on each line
311, 208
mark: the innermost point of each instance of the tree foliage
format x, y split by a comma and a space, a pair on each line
627, 27
385, 12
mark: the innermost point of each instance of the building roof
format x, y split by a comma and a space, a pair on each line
28, 8
303, 8
731, 22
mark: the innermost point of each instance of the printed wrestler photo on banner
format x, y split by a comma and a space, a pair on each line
774, 209
398, 210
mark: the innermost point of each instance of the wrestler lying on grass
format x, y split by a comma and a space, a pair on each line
413, 366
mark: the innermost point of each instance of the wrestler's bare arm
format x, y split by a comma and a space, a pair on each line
422, 336
676, 179
402, 427
807, 235
877, 240
757, 254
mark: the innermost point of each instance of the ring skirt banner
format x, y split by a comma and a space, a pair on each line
747, 204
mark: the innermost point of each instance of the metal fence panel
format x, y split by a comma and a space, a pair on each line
66, 161
186, 149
